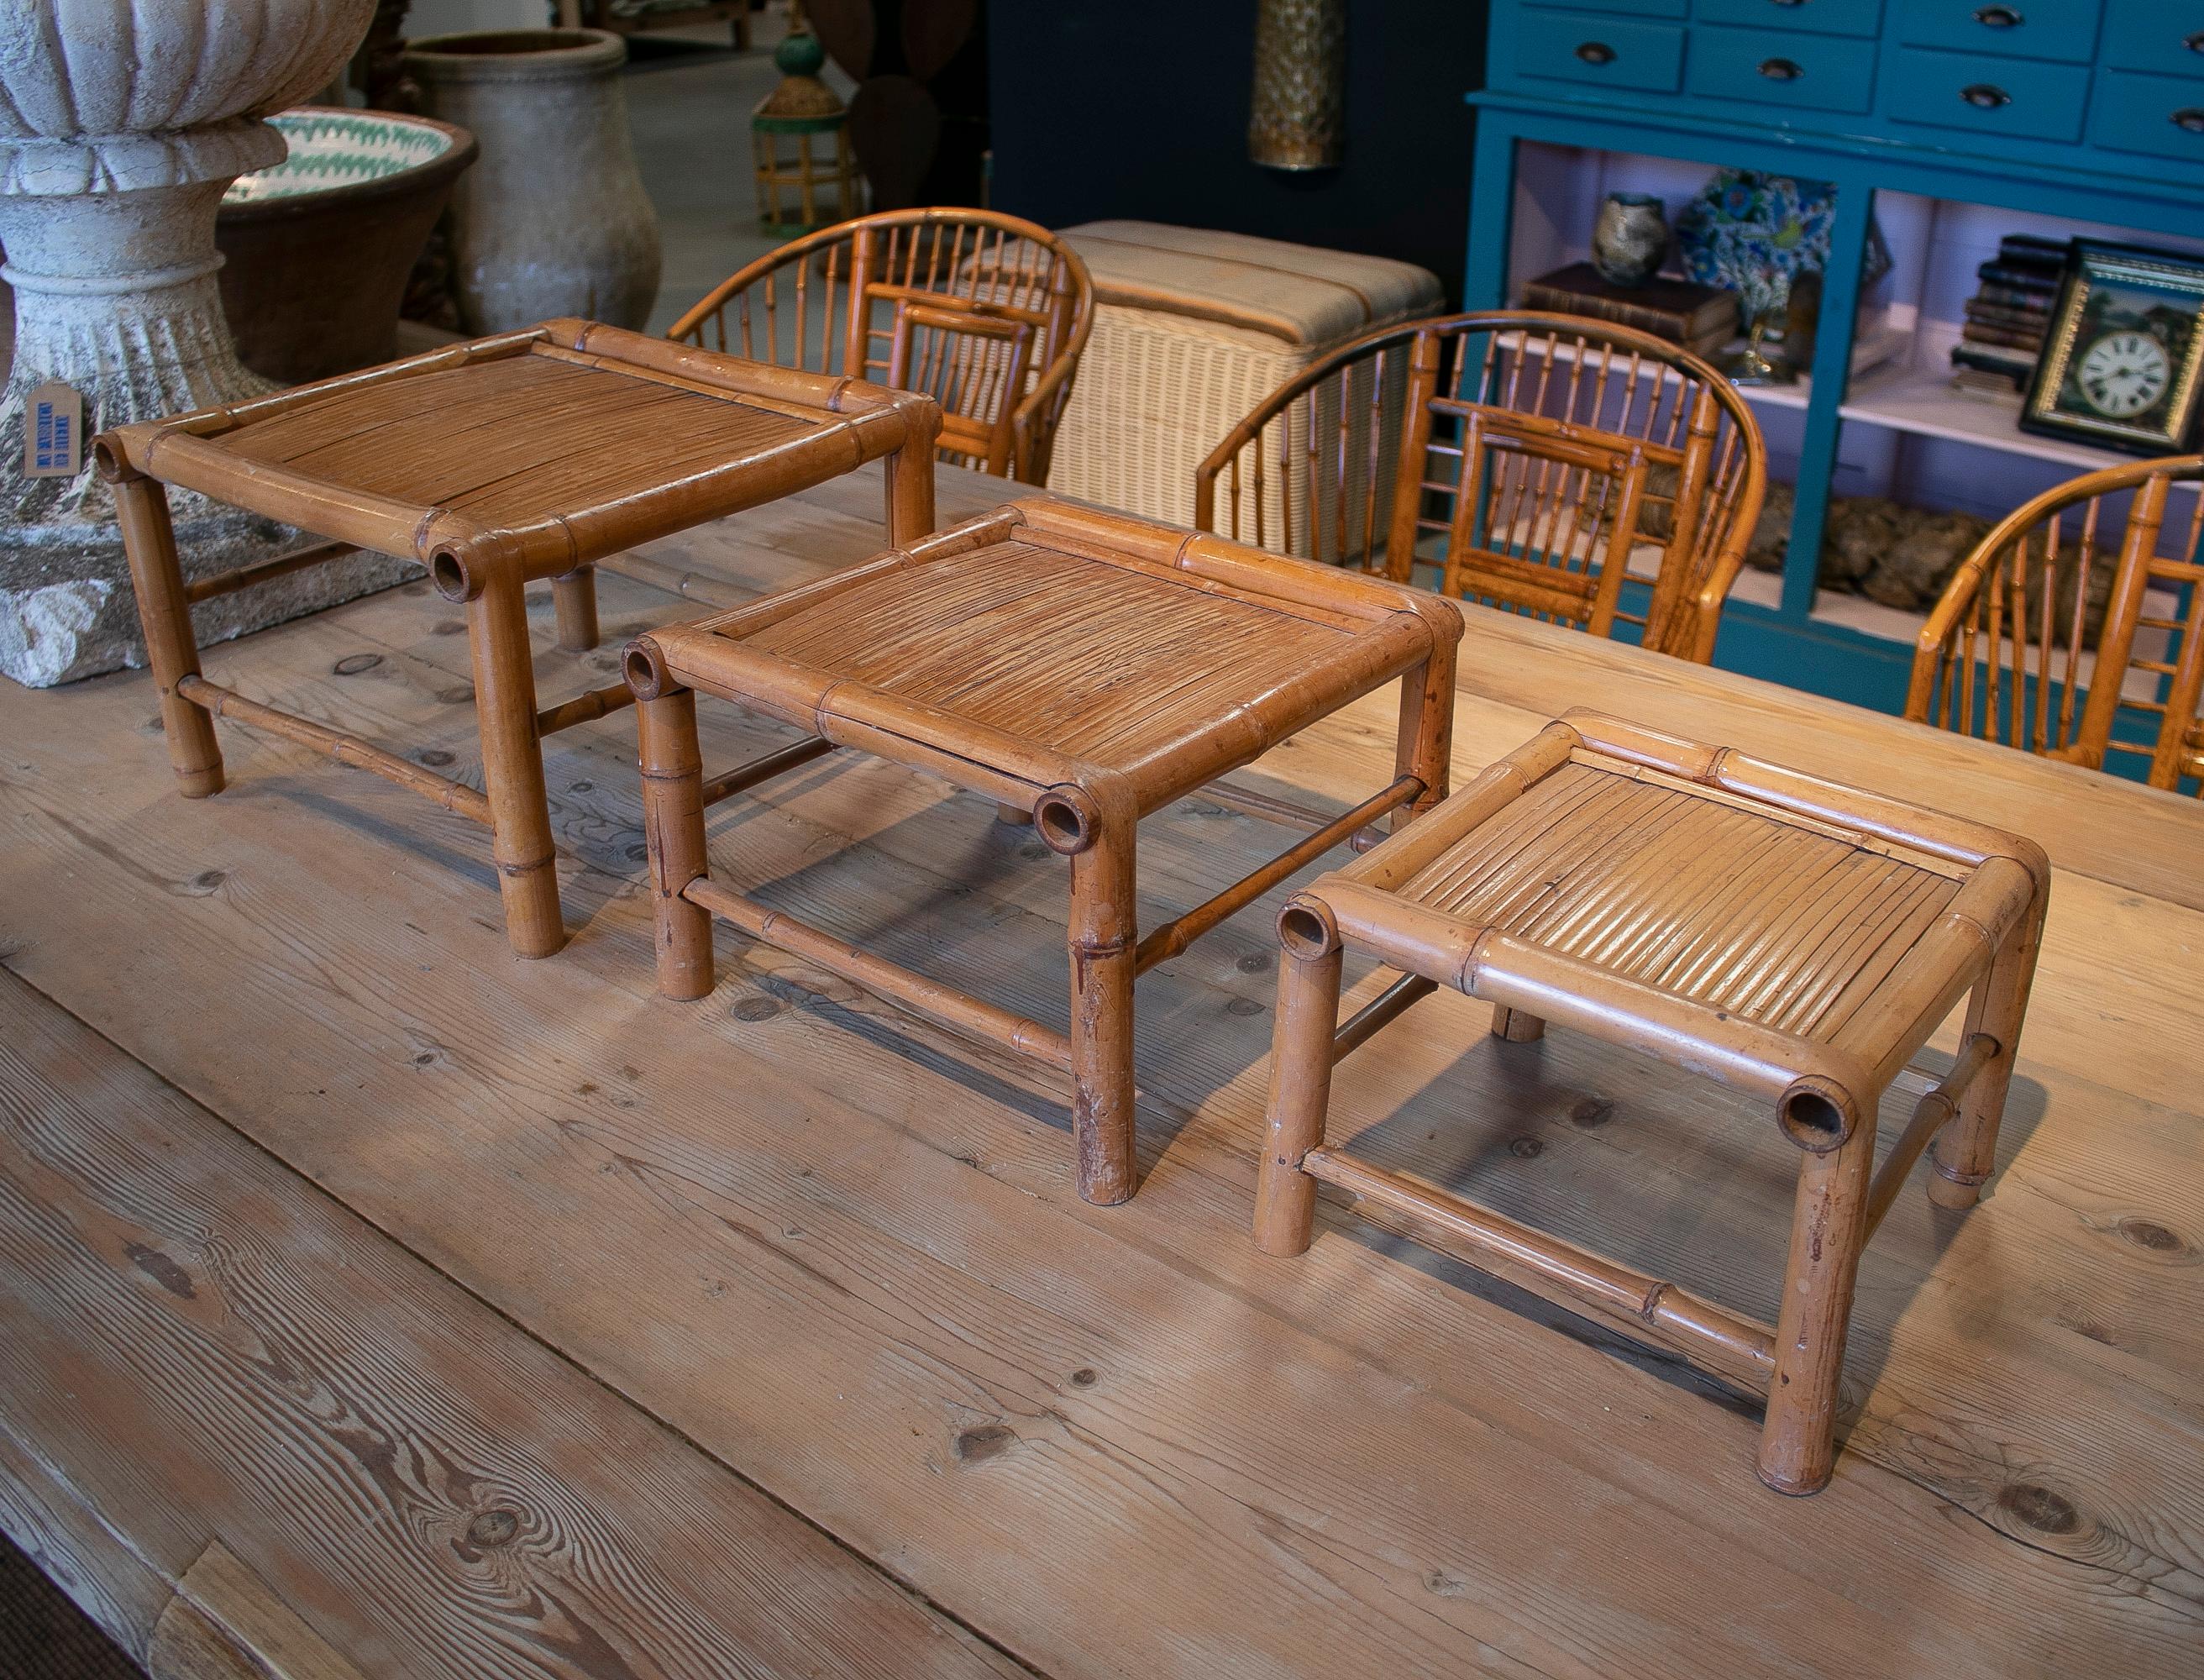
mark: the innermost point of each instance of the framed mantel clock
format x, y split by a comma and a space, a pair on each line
2121, 364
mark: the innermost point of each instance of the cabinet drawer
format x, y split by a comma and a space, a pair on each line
2063, 29
2011, 96
2163, 116
1815, 17
1778, 67
2163, 38
1628, 8
1600, 52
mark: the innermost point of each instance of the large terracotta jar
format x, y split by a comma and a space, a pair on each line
553, 219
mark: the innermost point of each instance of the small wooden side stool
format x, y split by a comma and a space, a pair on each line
1081, 669
495, 463
1793, 939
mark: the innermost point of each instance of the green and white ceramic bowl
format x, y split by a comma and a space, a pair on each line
334, 150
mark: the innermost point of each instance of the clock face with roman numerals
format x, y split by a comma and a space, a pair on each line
2123, 373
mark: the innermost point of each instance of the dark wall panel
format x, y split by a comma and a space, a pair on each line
1139, 108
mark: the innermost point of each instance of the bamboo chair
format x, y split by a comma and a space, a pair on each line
1362, 459
985, 313
2005, 657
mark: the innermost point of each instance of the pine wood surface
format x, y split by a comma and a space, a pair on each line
1121, 1440
200, 1344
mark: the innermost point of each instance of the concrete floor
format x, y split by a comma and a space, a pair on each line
692, 140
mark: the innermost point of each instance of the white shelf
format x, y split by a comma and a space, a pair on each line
1925, 405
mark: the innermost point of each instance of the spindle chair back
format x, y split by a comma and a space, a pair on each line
986, 313
2081, 608
1429, 449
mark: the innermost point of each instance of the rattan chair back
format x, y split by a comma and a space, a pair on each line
1363, 459
986, 313
2073, 629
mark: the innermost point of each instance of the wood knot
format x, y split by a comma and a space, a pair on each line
494, 1526
353, 664
1592, 1111
1243, 1007
435, 757
449, 627
756, 1008
162, 1270
1255, 962
1526, 1148
462, 694
1084, 1377
2039, 1508
988, 1441
2150, 1234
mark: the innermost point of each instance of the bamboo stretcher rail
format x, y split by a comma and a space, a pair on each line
1937, 1109
583, 707
743, 777
1387, 1007
1733, 1345
1167, 941
261, 571
915, 992
228, 703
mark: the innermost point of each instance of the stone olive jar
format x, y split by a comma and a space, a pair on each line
553, 219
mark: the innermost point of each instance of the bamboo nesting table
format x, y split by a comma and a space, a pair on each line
495, 463
1785, 936
1081, 669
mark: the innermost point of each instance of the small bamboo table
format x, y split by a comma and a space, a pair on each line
494, 463
1079, 669
1795, 939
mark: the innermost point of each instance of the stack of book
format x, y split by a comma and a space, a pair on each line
2008, 316
1701, 319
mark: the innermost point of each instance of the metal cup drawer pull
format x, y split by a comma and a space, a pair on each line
2189, 119
1780, 70
2194, 43
1998, 17
1596, 52
1983, 97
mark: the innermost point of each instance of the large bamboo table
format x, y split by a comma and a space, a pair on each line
494, 463
517, 1322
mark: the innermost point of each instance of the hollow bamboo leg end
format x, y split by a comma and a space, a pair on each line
1517, 1027
1300, 1092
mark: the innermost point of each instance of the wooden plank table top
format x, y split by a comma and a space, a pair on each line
839, 1254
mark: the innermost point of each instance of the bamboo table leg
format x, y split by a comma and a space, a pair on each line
1961, 1159
1104, 939
512, 767
149, 542
672, 770
1301, 1080
909, 472
574, 598
1829, 1226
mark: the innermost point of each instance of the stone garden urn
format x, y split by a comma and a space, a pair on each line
123, 124
553, 219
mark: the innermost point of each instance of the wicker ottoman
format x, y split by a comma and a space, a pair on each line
1192, 330
1792, 939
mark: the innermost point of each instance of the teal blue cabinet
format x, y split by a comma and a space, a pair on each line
2090, 109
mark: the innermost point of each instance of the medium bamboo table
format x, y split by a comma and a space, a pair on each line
494, 463
1785, 936
1081, 669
